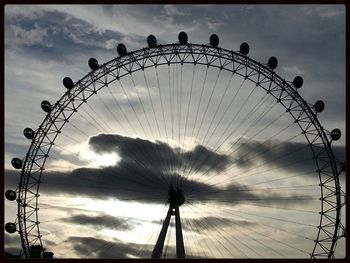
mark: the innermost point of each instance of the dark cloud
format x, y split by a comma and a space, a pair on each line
12, 243
280, 154
125, 181
11, 179
15, 148
102, 221
49, 33
146, 177
159, 155
89, 247
209, 223
235, 194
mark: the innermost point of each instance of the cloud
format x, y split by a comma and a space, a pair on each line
145, 176
102, 221
172, 10
210, 222
49, 33
89, 247
12, 242
214, 25
111, 44
158, 156
280, 154
30, 37
325, 11
294, 70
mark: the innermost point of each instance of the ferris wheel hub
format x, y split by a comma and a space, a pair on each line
175, 196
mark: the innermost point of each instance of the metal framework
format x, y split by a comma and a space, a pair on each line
260, 74
180, 248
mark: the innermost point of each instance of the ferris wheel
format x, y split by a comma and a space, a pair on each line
182, 127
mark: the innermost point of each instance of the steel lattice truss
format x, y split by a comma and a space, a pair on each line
304, 114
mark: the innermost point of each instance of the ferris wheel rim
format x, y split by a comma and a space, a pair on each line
162, 51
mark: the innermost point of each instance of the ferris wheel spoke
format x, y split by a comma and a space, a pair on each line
132, 107
179, 118
167, 158
162, 105
223, 236
152, 104
203, 118
70, 138
232, 145
141, 149
156, 196
121, 110
99, 126
135, 113
216, 147
227, 108
89, 238
233, 163
139, 162
235, 179
280, 143
78, 129
216, 112
188, 157
228, 223
112, 114
109, 128
188, 111
207, 105
246, 215
142, 106
162, 160
210, 243
204, 246
244, 103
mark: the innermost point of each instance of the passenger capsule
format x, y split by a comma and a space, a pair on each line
10, 228
28, 133
46, 106
16, 163
272, 63
244, 48
335, 134
298, 82
68, 83
48, 254
36, 251
319, 106
343, 167
93, 63
151, 41
183, 38
10, 195
214, 40
121, 49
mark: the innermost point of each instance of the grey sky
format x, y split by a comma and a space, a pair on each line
45, 43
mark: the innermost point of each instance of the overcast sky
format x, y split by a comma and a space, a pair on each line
252, 192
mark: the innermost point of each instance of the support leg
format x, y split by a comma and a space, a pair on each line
180, 248
157, 251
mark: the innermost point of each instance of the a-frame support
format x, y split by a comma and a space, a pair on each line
175, 200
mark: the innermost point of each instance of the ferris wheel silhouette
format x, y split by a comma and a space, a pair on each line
200, 129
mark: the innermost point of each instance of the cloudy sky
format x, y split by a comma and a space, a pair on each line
243, 165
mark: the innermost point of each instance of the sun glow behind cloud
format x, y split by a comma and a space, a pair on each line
95, 160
